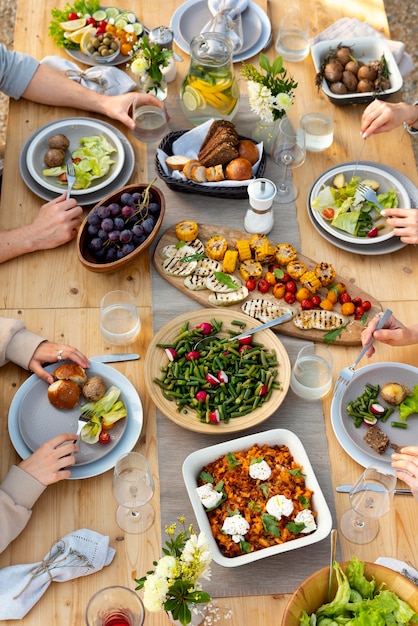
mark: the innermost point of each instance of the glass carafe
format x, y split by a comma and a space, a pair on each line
210, 89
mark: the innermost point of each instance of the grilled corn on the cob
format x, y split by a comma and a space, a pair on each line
187, 230
216, 247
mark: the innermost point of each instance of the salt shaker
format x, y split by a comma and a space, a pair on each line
259, 218
163, 37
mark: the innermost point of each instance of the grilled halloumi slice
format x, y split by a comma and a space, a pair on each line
197, 246
172, 251
226, 299
195, 282
206, 266
216, 285
265, 310
176, 267
319, 319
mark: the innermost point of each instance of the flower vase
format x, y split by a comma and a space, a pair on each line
147, 85
198, 612
266, 133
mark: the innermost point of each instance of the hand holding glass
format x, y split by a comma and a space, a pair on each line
289, 151
133, 488
370, 498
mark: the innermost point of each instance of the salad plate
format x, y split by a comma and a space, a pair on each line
32, 420
387, 181
350, 437
74, 129
95, 195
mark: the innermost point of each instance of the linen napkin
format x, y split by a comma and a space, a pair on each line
78, 554
106, 80
399, 566
350, 28
226, 19
189, 144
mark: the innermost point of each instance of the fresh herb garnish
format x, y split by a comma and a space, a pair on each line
226, 279
232, 460
295, 527
332, 335
270, 524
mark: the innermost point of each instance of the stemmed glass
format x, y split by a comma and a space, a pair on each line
289, 151
133, 488
370, 499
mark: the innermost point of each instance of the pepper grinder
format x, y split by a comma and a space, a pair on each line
163, 37
259, 218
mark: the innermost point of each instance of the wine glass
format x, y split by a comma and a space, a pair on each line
115, 606
133, 488
370, 498
289, 151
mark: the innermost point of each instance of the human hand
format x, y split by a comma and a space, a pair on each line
404, 223
56, 223
381, 116
47, 463
406, 464
120, 107
392, 333
48, 352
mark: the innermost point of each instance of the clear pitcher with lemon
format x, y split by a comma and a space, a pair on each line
210, 89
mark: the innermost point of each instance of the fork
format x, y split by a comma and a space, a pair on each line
370, 195
71, 177
347, 373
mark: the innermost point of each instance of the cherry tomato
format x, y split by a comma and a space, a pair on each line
63, 177
286, 277
347, 308
328, 213
126, 48
104, 437
273, 266
263, 286
367, 305
289, 297
341, 288
270, 278
358, 312
326, 305
316, 300
279, 290
111, 28
91, 20
306, 304
131, 37
291, 286
251, 284
302, 294
357, 301
76, 160
332, 295
344, 297
72, 16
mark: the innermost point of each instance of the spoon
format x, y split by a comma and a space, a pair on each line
331, 562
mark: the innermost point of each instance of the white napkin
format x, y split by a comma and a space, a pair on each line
78, 554
108, 80
189, 144
399, 566
227, 20
349, 28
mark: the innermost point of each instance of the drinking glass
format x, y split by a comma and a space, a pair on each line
370, 499
311, 376
119, 319
150, 122
133, 488
292, 42
115, 606
289, 151
318, 123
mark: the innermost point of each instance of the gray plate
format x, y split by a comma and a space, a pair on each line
90, 198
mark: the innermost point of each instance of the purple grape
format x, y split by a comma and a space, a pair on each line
148, 225
99, 255
114, 235
107, 224
138, 240
137, 197
111, 255
102, 234
119, 223
92, 230
114, 209
93, 219
142, 212
138, 230
103, 211
126, 236
96, 243
127, 211
154, 208
127, 248
120, 254
126, 198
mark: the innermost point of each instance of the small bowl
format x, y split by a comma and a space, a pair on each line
365, 49
86, 256
312, 593
102, 60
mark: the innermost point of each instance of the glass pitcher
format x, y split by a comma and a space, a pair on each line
210, 89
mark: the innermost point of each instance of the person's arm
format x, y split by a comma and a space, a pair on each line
394, 333
380, 117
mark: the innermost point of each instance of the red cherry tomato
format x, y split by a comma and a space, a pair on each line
104, 437
289, 297
273, 266
358, 312
344, 297
72, 16
357, 301
251, 284
328, 213
92, 21
306, 305
291, 286
263, 286
63, 177
367, 305
285, 278
316, 300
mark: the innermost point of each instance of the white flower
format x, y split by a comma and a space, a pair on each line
261, 101
139, 65
197, 556
166, 567
155, 591
284, 102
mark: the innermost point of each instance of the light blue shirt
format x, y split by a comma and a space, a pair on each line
16, 72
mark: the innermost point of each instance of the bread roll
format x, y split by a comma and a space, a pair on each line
71, 371
177, 161
64, 394
248, 150
239, 169
187, 169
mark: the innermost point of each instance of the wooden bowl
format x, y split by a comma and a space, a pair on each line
85, 255
312, 593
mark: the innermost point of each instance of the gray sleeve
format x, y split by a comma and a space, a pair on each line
16, 72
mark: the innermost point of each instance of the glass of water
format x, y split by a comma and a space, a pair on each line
119, 318
150, 122
311, 376
292, 42
318, 124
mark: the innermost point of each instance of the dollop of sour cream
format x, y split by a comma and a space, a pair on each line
279, 506
260, 470
237, 526
208, 496
306, 517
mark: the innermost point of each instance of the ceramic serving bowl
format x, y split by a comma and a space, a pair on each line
127, 238
312, 593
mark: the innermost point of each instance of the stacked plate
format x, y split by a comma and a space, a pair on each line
33, 420
31, 160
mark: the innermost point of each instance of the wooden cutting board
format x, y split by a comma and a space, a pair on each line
349, 337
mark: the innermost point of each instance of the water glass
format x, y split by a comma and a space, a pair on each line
115, 606
311, 376
150, 122
119, 318
318, 123
292, 42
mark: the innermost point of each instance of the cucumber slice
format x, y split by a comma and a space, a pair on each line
112, 12
99, 15
120, 22
138, 28
128, 16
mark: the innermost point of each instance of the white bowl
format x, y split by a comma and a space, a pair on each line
74, 129
386, 180
365, 49
195, 462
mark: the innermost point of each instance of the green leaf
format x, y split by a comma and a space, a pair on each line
270, 524
256, 460
231, 460
332, 335
205, 476
265, 63
245, 547
226, 279
304, 501
295, 528
296, 472
264, 487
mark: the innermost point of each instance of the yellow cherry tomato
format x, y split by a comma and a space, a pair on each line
302, 294
270, 278
331, 295
341, 288
279, 290
347, 308
110, 28
326, 304
126, 48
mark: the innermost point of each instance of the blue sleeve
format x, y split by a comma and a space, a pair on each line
16, 72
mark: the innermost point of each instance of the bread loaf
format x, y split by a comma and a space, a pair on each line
177, 161
220, 144
64, 394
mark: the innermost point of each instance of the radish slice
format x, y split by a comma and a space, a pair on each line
377, 409
370, 421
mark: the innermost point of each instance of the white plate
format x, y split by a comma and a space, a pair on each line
196, 17
91, 198
387, 181
351, 438
99, 464
74, 129
195, 462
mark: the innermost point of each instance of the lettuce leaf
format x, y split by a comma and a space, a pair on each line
357, 579
410, 405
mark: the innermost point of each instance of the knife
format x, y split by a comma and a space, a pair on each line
115, 358
277, 320
348, 488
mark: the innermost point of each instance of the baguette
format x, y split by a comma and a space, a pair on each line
177, 161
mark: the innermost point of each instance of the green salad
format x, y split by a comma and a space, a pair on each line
92, 160
360, 602
346, 209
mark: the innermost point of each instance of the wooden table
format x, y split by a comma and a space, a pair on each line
57, 298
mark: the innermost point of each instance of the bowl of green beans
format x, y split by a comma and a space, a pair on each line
221, 385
